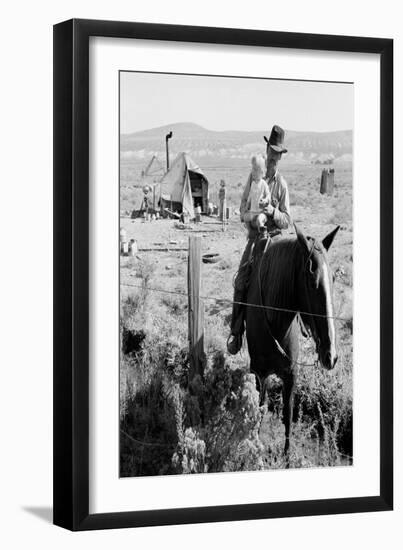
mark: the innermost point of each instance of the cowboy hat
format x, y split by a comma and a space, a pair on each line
276, 139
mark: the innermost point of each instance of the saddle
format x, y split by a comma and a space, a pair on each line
261, 243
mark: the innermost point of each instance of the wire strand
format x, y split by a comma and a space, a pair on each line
227, 300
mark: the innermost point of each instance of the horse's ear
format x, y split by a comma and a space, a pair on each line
327, 241
303, 241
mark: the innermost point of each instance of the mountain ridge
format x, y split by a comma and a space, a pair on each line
202, 142
194, 127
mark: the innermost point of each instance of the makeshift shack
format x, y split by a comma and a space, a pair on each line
184, 187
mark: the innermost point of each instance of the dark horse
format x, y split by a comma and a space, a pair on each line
291, 274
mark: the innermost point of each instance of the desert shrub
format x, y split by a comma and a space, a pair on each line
132, 305
322, 417
130, 263
190, 458
145, 272
215, 334
176, 304
325, 401
147, 432
344, 273
221, 420
169, 426
131, 340
151, 379
225, 263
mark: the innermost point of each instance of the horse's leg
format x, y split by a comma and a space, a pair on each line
259, 382
260, 387
288, 401
263, 391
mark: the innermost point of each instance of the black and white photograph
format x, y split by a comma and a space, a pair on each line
236, 274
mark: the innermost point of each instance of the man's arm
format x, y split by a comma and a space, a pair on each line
281, 214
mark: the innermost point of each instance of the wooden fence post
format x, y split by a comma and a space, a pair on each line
327, 181
196, 308
323, 181
330, 182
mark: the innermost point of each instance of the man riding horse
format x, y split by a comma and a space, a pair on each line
265, 210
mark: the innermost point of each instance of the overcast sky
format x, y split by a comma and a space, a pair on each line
149, 100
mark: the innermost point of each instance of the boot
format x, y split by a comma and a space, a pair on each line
234, 343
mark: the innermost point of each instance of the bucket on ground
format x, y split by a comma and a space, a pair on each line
123, 241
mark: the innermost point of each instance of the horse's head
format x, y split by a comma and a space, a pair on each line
316, 295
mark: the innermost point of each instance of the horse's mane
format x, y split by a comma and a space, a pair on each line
278, 273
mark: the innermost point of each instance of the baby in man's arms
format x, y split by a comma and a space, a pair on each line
258, 198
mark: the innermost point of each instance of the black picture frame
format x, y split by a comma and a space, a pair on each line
71, 274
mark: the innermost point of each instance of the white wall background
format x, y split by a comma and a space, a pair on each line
26, 274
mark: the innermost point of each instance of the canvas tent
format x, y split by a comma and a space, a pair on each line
184, 186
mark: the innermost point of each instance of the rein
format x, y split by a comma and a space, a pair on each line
276, 342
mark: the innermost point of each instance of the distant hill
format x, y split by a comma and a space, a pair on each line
201, 142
